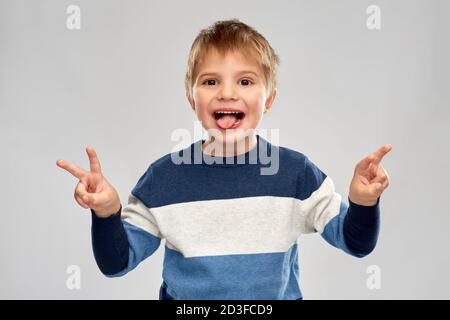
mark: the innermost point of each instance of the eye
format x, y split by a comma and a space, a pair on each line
209, 82
246, 82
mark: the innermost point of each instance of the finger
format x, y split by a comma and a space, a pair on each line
380, 153
364, 180
71, 168
381, 179
381, 174
80, 189
373, 170
365, 163
378, 186
81, 202
94, 163
89, 199
376, 189
385, 184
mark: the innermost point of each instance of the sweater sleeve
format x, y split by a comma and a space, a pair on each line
362, 227
109, 243
123, 240
350, 227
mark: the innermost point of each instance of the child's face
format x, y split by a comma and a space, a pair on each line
234, 82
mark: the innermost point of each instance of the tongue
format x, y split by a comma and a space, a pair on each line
226, 121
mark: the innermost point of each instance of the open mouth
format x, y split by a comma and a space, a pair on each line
228, 119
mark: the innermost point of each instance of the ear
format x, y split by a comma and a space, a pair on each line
270, 99
191, 101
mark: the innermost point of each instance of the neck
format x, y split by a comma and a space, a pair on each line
216, 148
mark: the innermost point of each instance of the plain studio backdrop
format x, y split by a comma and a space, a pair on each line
117, 84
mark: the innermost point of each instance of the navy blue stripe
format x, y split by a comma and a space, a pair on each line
109, 243
361, 228
197, 182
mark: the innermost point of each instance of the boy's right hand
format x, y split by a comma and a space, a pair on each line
93, 190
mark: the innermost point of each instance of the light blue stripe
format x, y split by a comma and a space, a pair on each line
333, 232
269, 276
142, 245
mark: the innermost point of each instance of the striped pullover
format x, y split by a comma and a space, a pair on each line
230, 231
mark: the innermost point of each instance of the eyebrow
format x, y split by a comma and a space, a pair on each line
216, 74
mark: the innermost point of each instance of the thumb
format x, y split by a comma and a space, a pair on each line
376, 188
96, 201
89, 198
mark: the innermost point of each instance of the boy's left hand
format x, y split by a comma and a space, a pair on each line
370, 179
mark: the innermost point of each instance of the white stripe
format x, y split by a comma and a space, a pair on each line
246, 225
322, 206
137, 214
229, 226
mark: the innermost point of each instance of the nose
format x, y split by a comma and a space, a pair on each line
227, 91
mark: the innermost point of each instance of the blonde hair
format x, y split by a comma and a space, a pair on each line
230, 35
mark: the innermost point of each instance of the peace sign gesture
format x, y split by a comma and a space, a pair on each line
93, 190
370, 178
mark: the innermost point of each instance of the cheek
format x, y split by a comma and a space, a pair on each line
256, 103
202, 98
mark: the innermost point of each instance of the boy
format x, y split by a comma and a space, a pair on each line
231, 232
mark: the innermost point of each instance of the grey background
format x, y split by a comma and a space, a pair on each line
117, 84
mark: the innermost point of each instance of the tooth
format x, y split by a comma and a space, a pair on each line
227, 112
